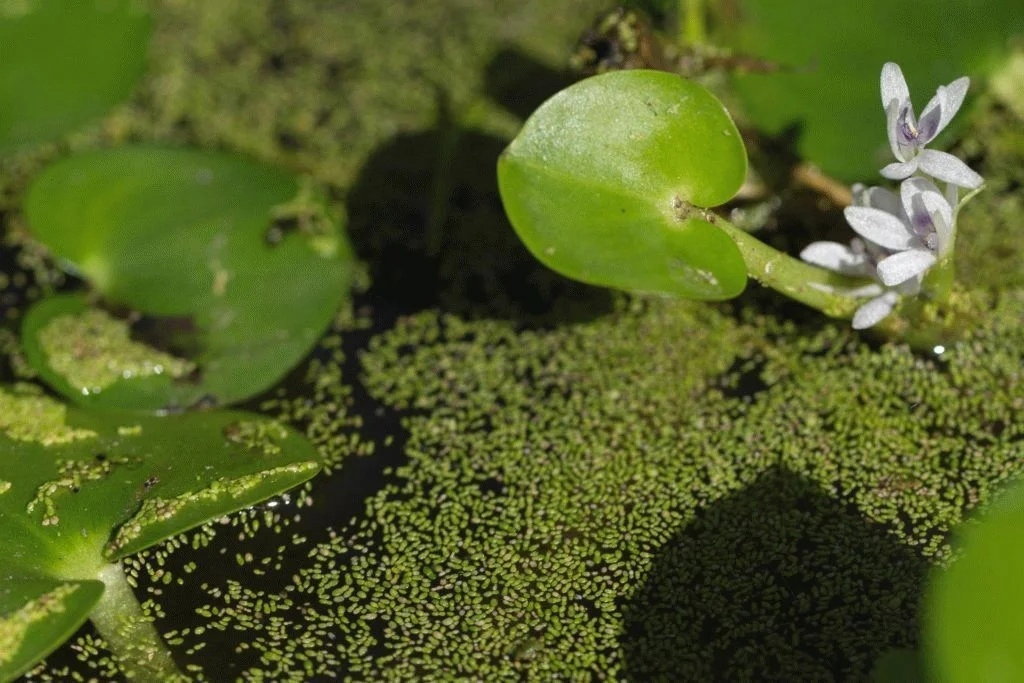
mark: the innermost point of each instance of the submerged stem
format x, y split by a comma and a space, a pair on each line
130, 634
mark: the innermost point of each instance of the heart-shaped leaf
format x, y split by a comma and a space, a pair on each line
79, 490
608, 179
974, 629
827, 90
231, 269
64, 63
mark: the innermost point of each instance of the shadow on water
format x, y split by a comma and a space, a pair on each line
425, 214
777, 582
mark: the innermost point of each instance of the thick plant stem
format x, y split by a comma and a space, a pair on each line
129, 634
801, 281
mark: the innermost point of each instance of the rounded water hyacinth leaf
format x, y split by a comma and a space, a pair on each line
974, 630
64, 63
608, 181
81, 489
217, 276
826, 91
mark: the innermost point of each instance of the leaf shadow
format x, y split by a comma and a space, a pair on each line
778, 582
426, 216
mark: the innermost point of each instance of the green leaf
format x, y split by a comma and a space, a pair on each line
832, 57
607, 181
231, 269
974, 616
64, 63
79, 490
37, 615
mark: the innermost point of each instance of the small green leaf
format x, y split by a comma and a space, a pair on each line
974, 616
37, 615
608, 179
83, 489
827, 88
63, 63
218, 275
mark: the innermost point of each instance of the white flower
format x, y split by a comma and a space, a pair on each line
903, 237
909, 135
917, 233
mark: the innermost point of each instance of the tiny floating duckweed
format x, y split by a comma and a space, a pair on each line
92, 350
28, 415
257, 435
73, 475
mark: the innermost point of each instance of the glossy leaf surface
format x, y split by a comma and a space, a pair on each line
64, 63
82, 489
232, 266
606, 181
974, 617
826, 94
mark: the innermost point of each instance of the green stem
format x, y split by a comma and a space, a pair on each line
926, 323
938, 283
801, 281
692, 30
130, 634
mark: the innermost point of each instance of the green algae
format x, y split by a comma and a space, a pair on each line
92, 350
26, 414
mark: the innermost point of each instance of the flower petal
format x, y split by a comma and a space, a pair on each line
942, 218
837, 257
930, 123
892, 129
894, 86
872, 313
946, 167
900, 267
880, 227
913, 189
874, 289
899, 171
929, 213
952, 96
883, 199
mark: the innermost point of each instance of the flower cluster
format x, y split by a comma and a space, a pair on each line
902, 235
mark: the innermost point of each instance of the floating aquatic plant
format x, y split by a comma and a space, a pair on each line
612, 181
206, 254
81, 490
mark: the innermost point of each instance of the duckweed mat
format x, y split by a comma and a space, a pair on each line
529, 478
